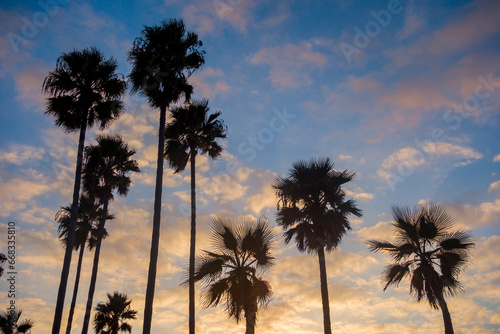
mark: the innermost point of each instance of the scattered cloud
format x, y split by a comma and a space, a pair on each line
290, 65
210, 83
20, 154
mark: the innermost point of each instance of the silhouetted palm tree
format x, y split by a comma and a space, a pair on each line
112, 315
3, 259
163, 58
107, 166
89, 214
424, 244
230, 273
312, 209
9, 323
84, 90
191, 131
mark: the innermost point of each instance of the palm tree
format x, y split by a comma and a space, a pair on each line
9, 323
111, 315
163, 58
428, 253
84, 90
107, 166
3, 259
89, 214
191, 131
313, 210
230, 273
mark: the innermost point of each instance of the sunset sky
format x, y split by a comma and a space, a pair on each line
405, 94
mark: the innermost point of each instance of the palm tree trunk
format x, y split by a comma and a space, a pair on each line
448, 325
192, 249
75, 290
61, 293
324, 290
93, 278
155, 240
251, 318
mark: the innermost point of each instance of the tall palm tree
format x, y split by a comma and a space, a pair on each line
429, 253
191, 131
312, 209
163, 58
230, 273
89, 214
107, 168
9, 323
112, 315
84, 90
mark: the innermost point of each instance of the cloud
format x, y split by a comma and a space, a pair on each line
475, 24
209, 83
496, 158
20, 154
404, 161
28, 85
359, 194
420, 95
16, 193
290, 64
381, 231
208, 16
469, 216
494, 187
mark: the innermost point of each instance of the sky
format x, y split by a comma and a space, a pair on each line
406, 94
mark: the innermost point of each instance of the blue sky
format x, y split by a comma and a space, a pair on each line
406, 94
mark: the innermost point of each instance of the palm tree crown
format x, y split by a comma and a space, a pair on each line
426, 251
85, 89
312, 206
9, 323
231, 273
89, 214
112, 315
191, 130
163, 59
107, 166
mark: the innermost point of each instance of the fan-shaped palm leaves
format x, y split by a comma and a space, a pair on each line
428, 253
231, 272
191, 131
107, 166
312, 209
3, 259
84, 90
111, 316
162, 58
9, 323
89, 215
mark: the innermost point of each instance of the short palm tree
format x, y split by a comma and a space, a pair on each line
111, 316
89, 214
192, 130
84, 90
107, 168
429, 253
163, 58
312, 209
231, 272
3, 259
9, 323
